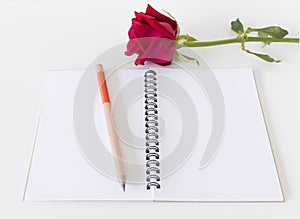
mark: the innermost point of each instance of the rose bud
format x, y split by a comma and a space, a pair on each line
152, 37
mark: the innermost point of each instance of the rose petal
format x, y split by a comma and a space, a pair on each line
144, 30
140, 16
162, 27
168, 27
132, 48
157, 26
131, 33
156, 48
139, 61
152, 12
160, 62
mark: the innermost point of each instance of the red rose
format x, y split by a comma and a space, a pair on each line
152, 37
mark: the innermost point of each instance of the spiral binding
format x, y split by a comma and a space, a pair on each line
152, 142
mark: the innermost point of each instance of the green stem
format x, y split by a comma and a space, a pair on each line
240, 40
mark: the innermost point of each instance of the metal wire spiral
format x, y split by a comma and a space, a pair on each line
152, 142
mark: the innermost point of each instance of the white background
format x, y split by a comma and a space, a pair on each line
39, 35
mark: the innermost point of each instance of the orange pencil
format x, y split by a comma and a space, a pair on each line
114, 141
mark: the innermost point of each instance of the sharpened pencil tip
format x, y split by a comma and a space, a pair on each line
123, 186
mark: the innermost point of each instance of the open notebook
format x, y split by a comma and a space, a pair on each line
71, 159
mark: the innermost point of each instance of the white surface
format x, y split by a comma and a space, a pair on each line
243, 169
41, 35
59, 171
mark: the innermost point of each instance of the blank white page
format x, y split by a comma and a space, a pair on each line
58, 170
243, 168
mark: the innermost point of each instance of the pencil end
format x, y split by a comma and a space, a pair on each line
123, 186
99, 68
